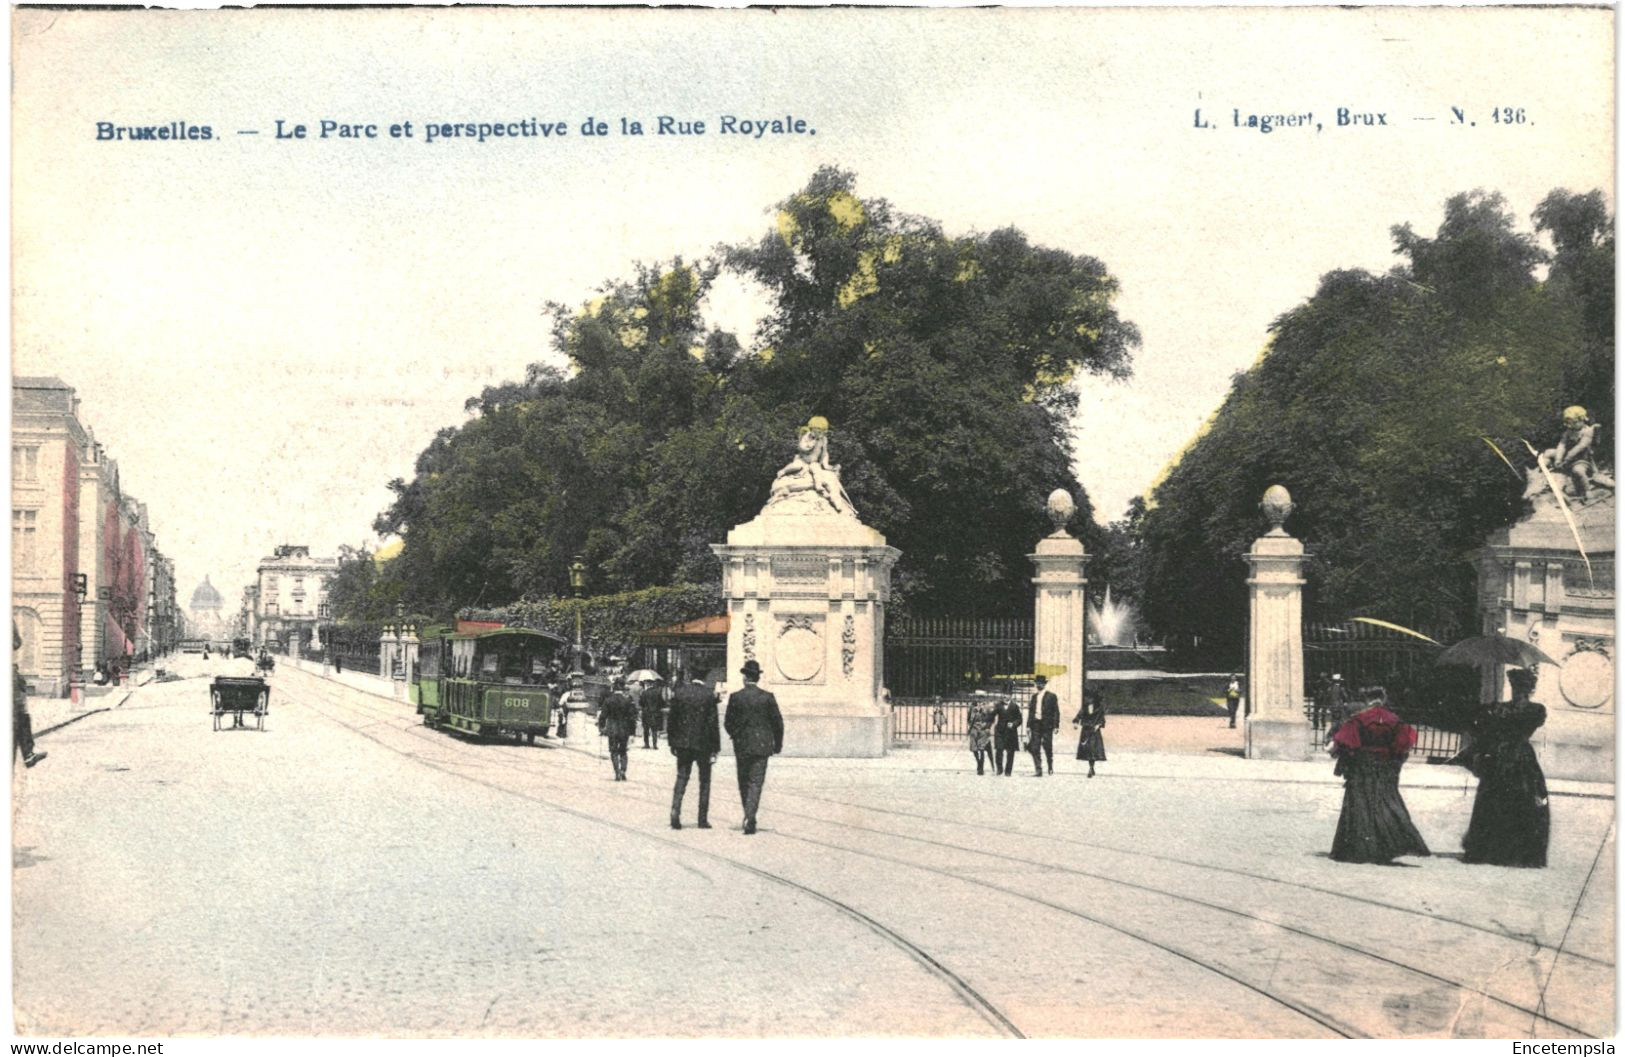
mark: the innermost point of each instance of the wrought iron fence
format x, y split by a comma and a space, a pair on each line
929, 657
1436, 700
358, 654
932, 718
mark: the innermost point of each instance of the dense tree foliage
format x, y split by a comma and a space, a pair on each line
946, 365
363, 588
1373, 404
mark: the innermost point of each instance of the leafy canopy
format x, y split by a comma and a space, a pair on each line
1372, 405
946, 364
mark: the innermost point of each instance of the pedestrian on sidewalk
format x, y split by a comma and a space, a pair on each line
1043, 717
1006, 735
617, 719
979, 721
22, 727
1232, 698
650, 703
1371, 746
695, 741
1091, 719
754, 724
1512, 820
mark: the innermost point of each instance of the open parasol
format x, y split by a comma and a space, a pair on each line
645, 675
1483, 651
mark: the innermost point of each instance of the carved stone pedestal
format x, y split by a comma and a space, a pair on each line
806, 593
1537, 584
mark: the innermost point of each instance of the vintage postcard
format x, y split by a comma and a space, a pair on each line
866, 523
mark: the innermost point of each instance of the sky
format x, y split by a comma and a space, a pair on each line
264, 331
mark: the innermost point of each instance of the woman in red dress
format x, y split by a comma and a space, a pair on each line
1370, 749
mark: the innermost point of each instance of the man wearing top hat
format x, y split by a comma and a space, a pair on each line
753, 721
1043, 717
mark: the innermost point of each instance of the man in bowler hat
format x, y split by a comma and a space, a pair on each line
757, 729
691, 731
1043, 717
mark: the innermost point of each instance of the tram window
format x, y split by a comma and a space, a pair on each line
488, 664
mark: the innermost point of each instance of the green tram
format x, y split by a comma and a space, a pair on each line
488, 683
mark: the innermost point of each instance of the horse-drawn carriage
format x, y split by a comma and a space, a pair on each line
239, 697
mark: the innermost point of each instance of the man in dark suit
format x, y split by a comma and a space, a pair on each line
1006, 736
650, 703
1043, 717
694, 739
757, 729
617, 718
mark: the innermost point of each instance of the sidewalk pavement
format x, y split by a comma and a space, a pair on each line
1183, 748
52, 713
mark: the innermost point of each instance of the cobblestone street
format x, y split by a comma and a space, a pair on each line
350, 872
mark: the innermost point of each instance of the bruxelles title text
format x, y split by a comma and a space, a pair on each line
344, 129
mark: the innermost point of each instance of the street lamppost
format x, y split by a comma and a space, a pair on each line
578, 580
324, 614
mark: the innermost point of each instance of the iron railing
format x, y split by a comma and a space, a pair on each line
929, 657
1432, 698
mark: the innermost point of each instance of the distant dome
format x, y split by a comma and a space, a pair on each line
206, 597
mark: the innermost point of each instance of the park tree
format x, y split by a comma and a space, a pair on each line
946, 364
1385, 403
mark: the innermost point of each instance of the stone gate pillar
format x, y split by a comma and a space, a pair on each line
1059, 608
386, 651
1276, 726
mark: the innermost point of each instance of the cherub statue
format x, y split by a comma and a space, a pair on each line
1573, 461
810, 472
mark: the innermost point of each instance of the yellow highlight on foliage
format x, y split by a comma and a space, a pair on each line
847, 210
864, 281
787, 226
388, 551
894, 250
968, 270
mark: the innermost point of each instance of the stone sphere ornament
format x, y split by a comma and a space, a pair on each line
1060, 508
1277, 507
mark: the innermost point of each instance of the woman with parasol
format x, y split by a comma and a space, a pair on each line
1371, 747
1512, 821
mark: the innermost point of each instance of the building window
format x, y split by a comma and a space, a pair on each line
24, 529
25, 462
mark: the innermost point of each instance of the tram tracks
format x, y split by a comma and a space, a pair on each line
1251, 978
962, 989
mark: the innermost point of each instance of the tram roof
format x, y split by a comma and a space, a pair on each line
488, 634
